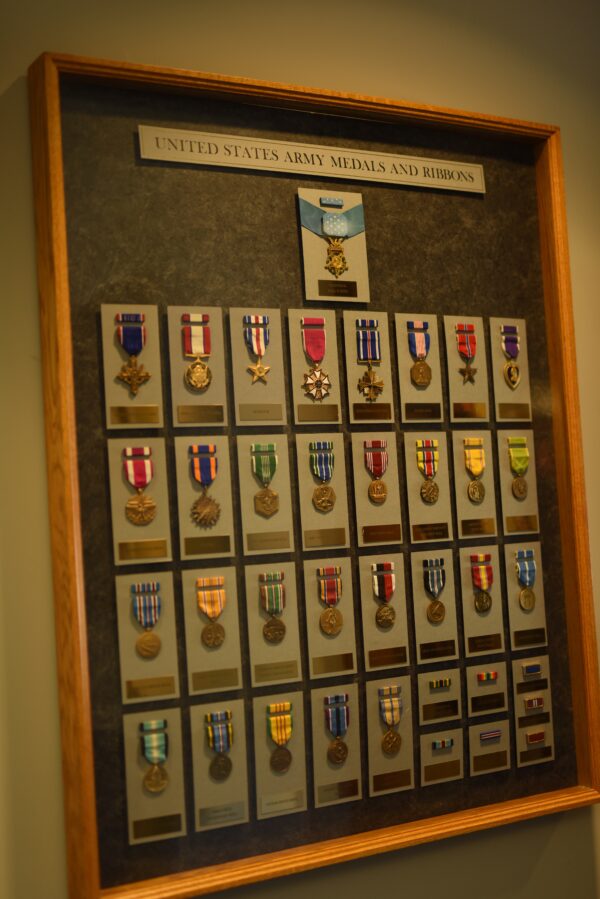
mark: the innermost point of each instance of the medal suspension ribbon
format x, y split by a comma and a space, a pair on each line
330, 584
482, 573
428, 457
155, 741
474, 456
138, 466
204, 463
384, 580
337, 714
147, 604
321, 459
419, 339
376, 457
390, 705
525, 567
131, 331
196, 334
434, 576
219, 730
211, 596
511, 343
466, 341
272, 591
519, 455
264, 461
256, 333
368, 340
279, 722
314, 339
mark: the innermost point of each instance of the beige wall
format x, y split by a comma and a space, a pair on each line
533, 61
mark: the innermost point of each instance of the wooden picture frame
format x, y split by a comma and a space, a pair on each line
45, 75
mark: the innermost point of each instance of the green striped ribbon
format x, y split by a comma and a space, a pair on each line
272, 592
264, 461
519, 455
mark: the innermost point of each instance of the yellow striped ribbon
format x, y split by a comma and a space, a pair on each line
474, 456
279, 722
211, 596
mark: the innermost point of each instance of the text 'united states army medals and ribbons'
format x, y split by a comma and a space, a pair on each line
264, 466
204, 467
322, 458
482, 575
139, 471
511, 344
337, 718
256, 336
330, 592
526, 568
196, 336
219, 733
211, 598
428, 458
384, 585
419, 341
155, 749
314, 341
434, 581
466, 341
334, 227
131, 334
147, 606
518, 454
390, 709
279, 728
272, 598
376, 462
475, 465
368, 349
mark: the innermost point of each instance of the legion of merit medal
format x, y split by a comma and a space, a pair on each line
316, 383
264, 466
376, 462
475, 465
419, 341
482, 575
272, 598
518, 453
511, 344
147, 606
390, 709
197, 346
131, 334
525, 568
321, 458
334, 227
368, 349
155, 749
219, 733
279, 728
434, 580
256, 336
139, 471
330, 593
466, 341
428, 457
337, 719
204, 466
384, 585
211, 599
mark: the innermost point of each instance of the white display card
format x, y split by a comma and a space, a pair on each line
475, 497
389, 772
378, 522
384, 647
533, 711
526, 609
487, 688
374, 404
439, 696
322, 529
439, 765
258, 384
267, 522
273, 662
335, 783
512, 387
428, 521
198, 397
437, 641
520, 513
489, 747
467, 381
329, 654
315, 385
419, 401
483, 627
279, 792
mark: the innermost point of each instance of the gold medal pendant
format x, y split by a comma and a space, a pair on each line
476, 492
429, 492
198, 375
483, 602
213, 635
331, 621
391, 742
519, 488
274, 630
336, 261
377, 492
281, 759
206, 511
266, 502
140, 509
259, 371
370, 385
436, 611
316, 384
148, 645
324, 498
156, 779
337, 752
133, 375
420, 374
512, 375
527, 599
220, 767
385, 617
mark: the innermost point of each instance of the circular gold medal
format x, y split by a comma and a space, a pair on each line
436, 611
205, 511
527, 599
198, 375
281, 759
331, 621
391, 742
220, 767
148, 645
512, 375
429, 492
156, 779
337, 752
323, 498
420, 374
266, 502
140, 509
385, 617
483, 601
377, 492
476, 492
519, 488
274, 630
213, 635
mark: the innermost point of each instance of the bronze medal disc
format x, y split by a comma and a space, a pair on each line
527, 599
377, 492
266, 502
140, 509
220, 767
512, 375
148, 645
436, 611
483, 601
274, 630
429, 492
205, 512
385, 617
281, 759
156, 779
323, 498
337, 752
213, 635
391, 742
519, 488
420, 374
476, 492
331, 621
198, 375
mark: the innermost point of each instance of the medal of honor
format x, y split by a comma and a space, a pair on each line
197, 346
272, 598
146, 603
418, 344
264, 466
368, 349
131, 334
376, 461
256, 336
211, 598
434, 580
330, 593
390, 709
321, 460
518, 454
139, 471
428, 457
384, 584
155, 749
482, 575
511, 344
316, 383
279, 728
337, 718
525, 568
475, 465
334, 227
204, 466
219, 732
466, 341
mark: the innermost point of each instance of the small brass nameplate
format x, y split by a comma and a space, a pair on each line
200, 546
441, 771
344, 661
488, 703
382, 533
532, 686
485, 643
536, 755
490, 760
469, 410
215, 680
439, 649
317, 413
394, 655
437, 531
134, 415
150, 686
142, 549
372, 411
222, 814
197, 415
513, 411
324, 537
343, 790
534, 636
274, 540
515, 524
276, 671
477, 527
260, 412
156, 827
532, 720
338, 288
434, 710
393, 780
422, 411
281, 802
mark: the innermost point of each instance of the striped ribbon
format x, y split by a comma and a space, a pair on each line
533, 703
537, 736
154, 741
418, 338
525, 567
466, 340
531, 670
204, 463
256, 333
131, 331
518, 454
264, 461
138, 466
272, 591
474, 456
321, 459
511, 343
211, 596
330, 584
219, 730
482, 573
440, 683
146, 601
279, 722
484, 677
446, 743
428, 457
376, 457
489, 736
383, 579
390, 704
368, 340
337, 713
196, 334
434, 576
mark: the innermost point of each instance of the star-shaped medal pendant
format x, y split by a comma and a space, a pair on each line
370, 385
468, 373
317, 384
259, 371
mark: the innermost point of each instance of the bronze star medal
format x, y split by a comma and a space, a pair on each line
468, 373
466, 341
